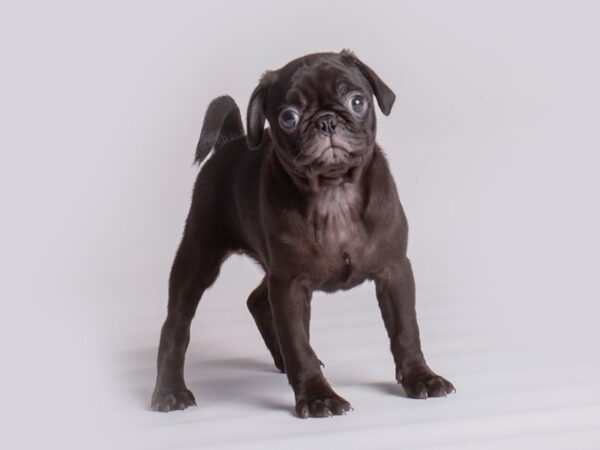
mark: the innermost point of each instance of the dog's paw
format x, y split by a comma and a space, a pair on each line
322, 407
425, 383
165, 401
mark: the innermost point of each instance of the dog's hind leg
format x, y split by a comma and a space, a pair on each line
258, 304
195, 268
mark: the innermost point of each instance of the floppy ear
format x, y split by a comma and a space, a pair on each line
384, 95
255, 118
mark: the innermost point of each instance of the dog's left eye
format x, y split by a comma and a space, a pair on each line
358, 104
288, 119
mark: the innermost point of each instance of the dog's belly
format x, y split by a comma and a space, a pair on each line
343, 279
342, 264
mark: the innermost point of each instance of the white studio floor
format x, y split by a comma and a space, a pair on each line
511, 390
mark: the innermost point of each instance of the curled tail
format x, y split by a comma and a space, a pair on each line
222, 123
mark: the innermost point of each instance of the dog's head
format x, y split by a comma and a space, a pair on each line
320, 110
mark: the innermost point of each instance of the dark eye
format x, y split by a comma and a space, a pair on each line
358, 104
288, 119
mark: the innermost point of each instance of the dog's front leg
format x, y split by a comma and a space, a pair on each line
396, 296
290, 304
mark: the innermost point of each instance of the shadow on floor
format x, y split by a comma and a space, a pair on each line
244, 381
388, 388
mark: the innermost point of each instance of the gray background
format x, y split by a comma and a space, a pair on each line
493, 142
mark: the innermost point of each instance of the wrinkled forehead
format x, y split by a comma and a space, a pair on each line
318, 83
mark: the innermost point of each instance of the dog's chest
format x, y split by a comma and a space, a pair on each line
336, 220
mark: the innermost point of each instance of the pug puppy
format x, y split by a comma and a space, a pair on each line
313, 201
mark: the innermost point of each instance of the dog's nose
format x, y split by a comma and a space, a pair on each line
327, 123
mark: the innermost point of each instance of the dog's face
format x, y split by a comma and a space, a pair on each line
320, 111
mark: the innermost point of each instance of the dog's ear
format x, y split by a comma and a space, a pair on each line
384, 95
255, 118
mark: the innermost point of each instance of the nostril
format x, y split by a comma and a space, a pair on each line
327, 124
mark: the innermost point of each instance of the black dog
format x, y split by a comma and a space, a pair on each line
313, 201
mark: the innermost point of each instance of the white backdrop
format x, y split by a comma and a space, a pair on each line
493, 142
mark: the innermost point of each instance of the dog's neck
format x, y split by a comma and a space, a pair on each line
332, 204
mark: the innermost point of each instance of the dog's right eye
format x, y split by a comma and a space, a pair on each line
288, 119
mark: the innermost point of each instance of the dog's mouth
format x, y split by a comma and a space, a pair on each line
335, 165
332, 156
328, 161
332, 152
